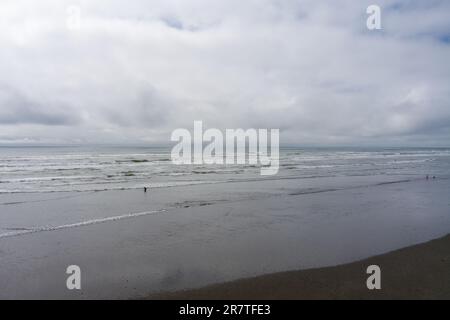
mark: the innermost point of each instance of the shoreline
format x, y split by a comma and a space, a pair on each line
209, 235
420, 271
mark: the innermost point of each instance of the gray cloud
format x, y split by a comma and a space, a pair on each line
133, 72
15, 108
149, 108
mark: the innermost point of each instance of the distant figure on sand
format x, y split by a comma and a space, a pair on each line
428, 177
145, 189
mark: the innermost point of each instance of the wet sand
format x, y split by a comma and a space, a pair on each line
131, 244
417, 272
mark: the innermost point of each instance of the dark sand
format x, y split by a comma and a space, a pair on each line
417, 272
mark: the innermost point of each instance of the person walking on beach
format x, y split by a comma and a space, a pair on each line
145, 189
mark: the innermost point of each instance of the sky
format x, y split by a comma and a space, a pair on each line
131, 72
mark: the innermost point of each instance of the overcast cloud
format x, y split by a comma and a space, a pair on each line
136, 70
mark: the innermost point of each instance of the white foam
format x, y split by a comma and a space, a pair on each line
77, 224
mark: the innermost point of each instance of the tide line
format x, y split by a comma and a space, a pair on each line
78, 224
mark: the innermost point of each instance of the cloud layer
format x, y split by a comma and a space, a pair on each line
131, 72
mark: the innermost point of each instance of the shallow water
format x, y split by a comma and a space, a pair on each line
130, 243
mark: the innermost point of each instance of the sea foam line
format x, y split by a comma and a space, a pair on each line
78, 224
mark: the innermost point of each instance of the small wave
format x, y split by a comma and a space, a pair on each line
133, 161
24, 231
318, 190
205, 172
393, 182
150, 186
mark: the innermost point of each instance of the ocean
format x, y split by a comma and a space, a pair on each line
60, 169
